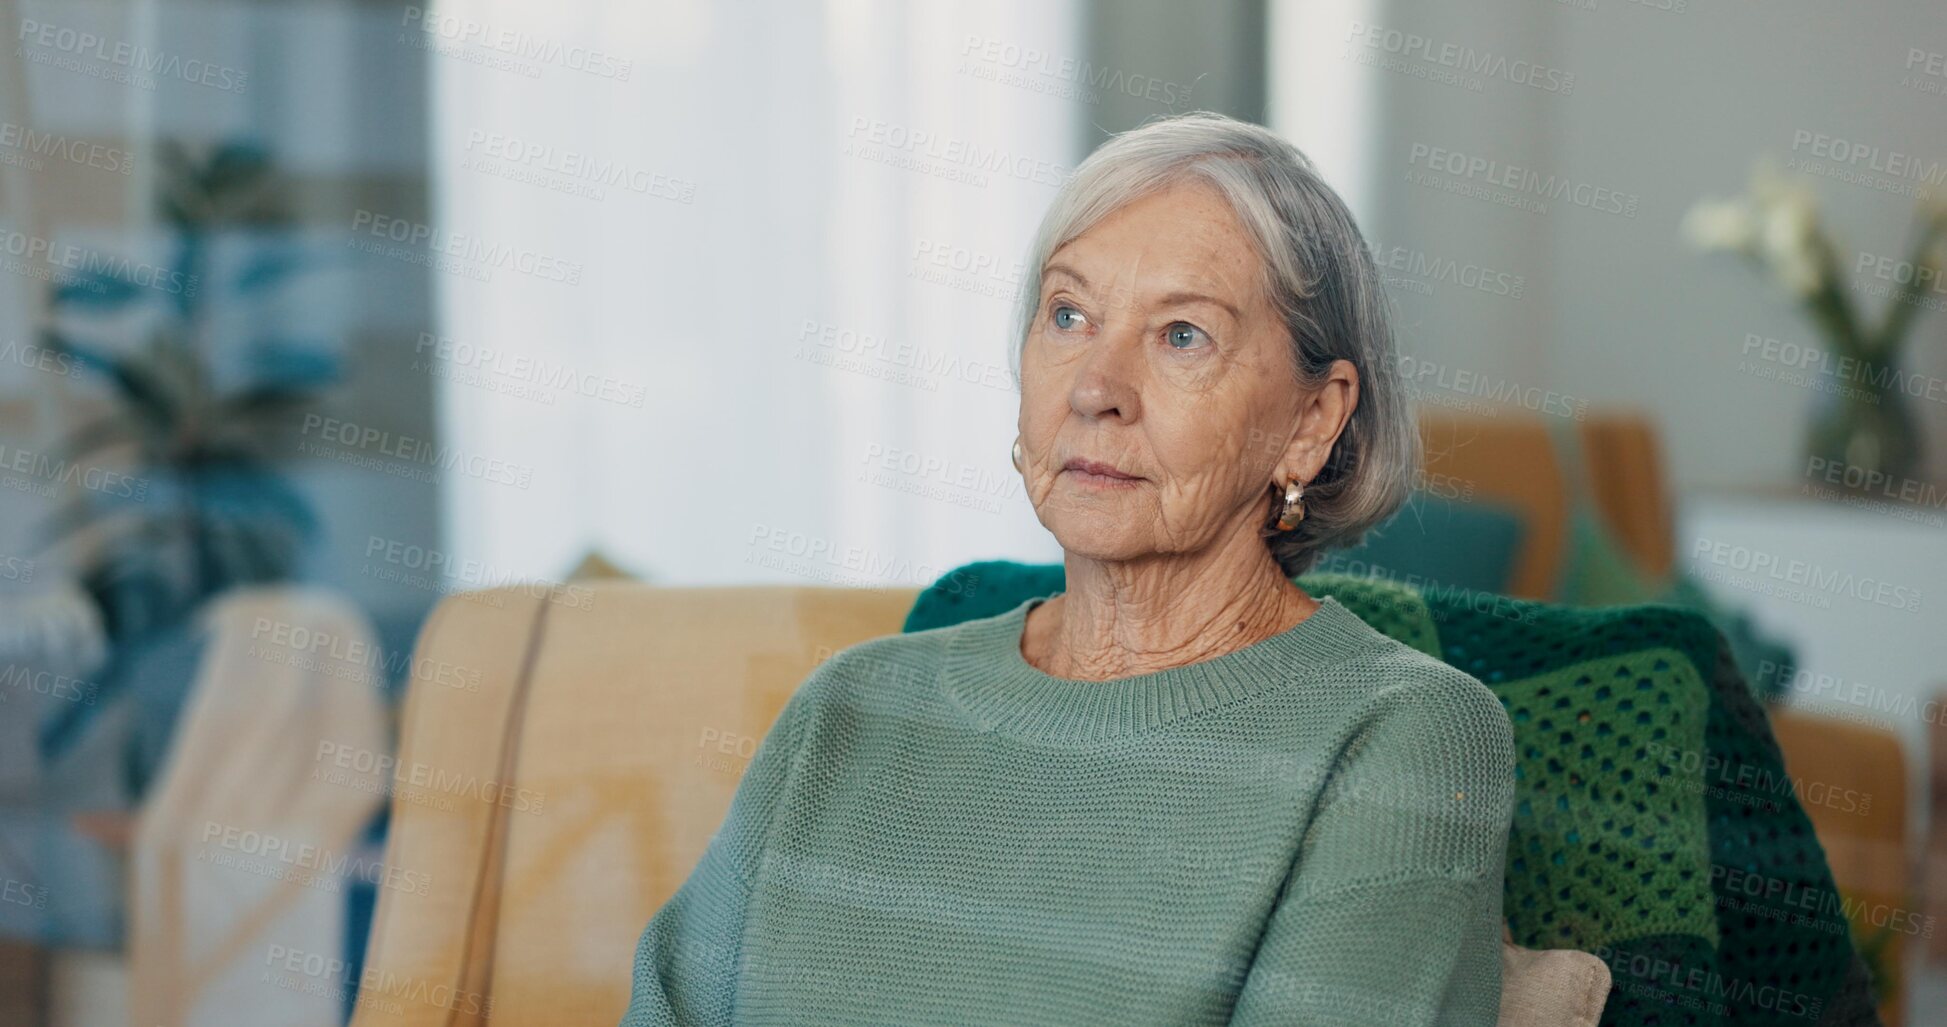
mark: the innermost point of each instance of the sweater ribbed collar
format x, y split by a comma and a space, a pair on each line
988, 677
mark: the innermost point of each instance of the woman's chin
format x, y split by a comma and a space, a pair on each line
1095, 543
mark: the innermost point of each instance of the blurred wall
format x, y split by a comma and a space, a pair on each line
1201, 56
1643, 106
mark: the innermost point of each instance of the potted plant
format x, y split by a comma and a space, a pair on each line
205, 507
1863, 422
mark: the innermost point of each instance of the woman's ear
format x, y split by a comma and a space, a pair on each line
1323, 413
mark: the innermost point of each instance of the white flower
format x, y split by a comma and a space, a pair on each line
1790, 241
1787, 230
1791, 221
1775, 221
1720, 225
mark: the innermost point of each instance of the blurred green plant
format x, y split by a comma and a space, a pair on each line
204, 507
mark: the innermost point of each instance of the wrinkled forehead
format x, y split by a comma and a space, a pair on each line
1177, 242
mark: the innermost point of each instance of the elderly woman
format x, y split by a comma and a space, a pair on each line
1182, 791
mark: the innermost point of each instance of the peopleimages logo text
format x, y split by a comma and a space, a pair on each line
1069, 69
1525, 181
460, 246
416, 774
79, 43
453, 27
66, 149
1466, 59
415, 450
1807, 575
89, 265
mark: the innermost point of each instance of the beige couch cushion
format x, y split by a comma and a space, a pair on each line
564, 758
1550, 987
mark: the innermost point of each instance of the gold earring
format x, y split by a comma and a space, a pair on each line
1294, 505
1019, 464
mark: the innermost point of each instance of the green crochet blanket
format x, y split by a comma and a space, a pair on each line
1654, 825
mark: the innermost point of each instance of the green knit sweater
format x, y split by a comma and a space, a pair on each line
1310, 829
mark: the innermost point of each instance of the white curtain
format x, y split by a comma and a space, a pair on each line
725, 290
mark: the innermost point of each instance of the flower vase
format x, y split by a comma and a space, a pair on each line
1862, 425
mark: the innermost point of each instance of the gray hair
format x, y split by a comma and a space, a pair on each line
1320, 276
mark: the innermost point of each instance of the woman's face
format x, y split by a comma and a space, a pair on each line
1157, 360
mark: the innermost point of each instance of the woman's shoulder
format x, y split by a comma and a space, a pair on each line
909, 648
880, 662
1382, 663
1401, 687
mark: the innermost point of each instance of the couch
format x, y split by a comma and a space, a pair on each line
560, 783
564, 757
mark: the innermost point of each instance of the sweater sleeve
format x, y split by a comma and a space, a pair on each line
687, 960
1391, 913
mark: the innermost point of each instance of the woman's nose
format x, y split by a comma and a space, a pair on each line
1108, 381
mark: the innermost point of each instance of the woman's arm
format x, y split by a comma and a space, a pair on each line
686, 962
1392, 912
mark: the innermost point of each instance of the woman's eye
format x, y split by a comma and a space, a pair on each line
1068, 319
1185, 336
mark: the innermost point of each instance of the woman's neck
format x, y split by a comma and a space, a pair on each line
1121, 619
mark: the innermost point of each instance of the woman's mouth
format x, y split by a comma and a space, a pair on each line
1098, 475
